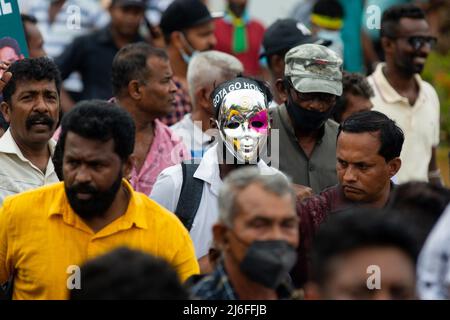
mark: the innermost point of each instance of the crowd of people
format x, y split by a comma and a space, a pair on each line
206, 157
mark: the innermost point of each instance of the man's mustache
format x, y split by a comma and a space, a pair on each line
39, 119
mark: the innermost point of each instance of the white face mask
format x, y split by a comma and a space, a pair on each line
244, 124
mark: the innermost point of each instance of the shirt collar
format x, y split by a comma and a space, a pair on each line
133, 216
9, 145
384, 88
208, 169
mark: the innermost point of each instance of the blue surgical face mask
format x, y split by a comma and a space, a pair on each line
187, 58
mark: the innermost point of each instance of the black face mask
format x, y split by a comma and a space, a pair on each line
268, 262
97, 205
304, 119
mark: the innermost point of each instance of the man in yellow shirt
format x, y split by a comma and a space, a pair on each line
47, 233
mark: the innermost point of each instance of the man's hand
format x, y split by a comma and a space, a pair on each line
302, 192
5, 76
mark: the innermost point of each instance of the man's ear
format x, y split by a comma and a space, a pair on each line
281, 89
134, 90
6, 111
220, 235
175, 39
127, 166
394, 166
387, 44
202, 99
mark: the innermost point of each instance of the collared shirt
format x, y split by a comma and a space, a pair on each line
195, 140
433, 267
182, 104
317, 172
17, 173
42, 239
92, 56
167, 149
90, 16
420, 123
217, 286
255, 32
167, 190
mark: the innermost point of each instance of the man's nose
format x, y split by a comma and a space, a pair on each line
349, 175
83, 175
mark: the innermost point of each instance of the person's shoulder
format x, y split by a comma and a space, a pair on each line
332, 125
34, 201
430, 91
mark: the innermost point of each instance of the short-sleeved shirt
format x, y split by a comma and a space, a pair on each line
420, 123
167, 192
319, 170
167, 149
92, 56
17, 173
42, 239
195, 140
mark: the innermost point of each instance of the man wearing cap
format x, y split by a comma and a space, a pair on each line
188, 27
92, 55
279, 38
313, 80
241, 117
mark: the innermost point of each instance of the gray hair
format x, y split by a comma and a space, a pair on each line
239, 179
209, 68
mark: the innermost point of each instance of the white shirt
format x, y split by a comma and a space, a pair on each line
196, 141
420, 123
17, 173
433, 267
167, 189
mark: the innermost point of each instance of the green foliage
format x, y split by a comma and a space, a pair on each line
437, 72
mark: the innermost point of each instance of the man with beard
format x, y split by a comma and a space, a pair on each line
312, 82
403, 96
31, 106
241, 116
188, 27
46, 234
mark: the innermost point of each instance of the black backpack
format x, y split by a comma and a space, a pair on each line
190, 196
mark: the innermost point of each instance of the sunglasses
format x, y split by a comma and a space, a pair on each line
418, 41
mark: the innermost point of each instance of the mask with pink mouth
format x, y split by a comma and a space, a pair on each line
242, 118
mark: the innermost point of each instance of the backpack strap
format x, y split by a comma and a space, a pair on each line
190, 196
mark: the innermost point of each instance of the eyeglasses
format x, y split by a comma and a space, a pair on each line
418, 41
305, 97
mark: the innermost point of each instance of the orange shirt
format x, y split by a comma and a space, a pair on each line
41, 239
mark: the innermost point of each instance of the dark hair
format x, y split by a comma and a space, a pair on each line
130, 63
419, 205
354, 229
355, 84
10, 42
328, 8
36, 69
391, 18
391, 136
3, 124
100, 120
131, 275
28, 18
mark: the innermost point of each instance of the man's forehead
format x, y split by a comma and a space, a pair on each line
30, 84
411, 26
76, 144
365, 143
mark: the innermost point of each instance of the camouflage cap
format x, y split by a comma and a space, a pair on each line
314, 68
